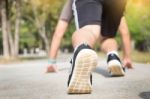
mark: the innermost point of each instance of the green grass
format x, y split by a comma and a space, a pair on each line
20, 59
137, 56
142, 57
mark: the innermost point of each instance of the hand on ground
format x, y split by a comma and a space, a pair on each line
127, 63
52, 68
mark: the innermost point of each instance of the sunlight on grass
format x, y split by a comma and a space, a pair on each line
142, 57
21, 59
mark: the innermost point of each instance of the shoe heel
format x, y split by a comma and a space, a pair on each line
85, 62
115, 68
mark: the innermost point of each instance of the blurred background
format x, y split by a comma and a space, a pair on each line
27, 26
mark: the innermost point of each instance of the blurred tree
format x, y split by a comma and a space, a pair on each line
37, 17
43, 10
4, 9
10, 33
31, 23
138, 17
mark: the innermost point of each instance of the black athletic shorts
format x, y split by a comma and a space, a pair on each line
106, 13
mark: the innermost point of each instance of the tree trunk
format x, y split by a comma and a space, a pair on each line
41, 29
4, 30
14, 39
17, 28
11, 41
42, 33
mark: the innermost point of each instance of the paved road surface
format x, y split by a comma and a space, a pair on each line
28, 80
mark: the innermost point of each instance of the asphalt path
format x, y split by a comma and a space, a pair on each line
28, 80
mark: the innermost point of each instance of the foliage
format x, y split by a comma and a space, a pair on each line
47, 13
138, 17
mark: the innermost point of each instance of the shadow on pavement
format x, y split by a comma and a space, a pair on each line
102, 71
145, 95
64, 69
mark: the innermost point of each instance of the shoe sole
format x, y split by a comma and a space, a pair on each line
85, 62
115, 68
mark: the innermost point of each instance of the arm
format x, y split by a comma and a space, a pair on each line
57, 37
125, 35
61, 27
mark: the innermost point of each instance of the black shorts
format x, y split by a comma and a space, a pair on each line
106, 13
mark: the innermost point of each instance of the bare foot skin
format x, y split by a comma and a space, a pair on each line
52, 68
